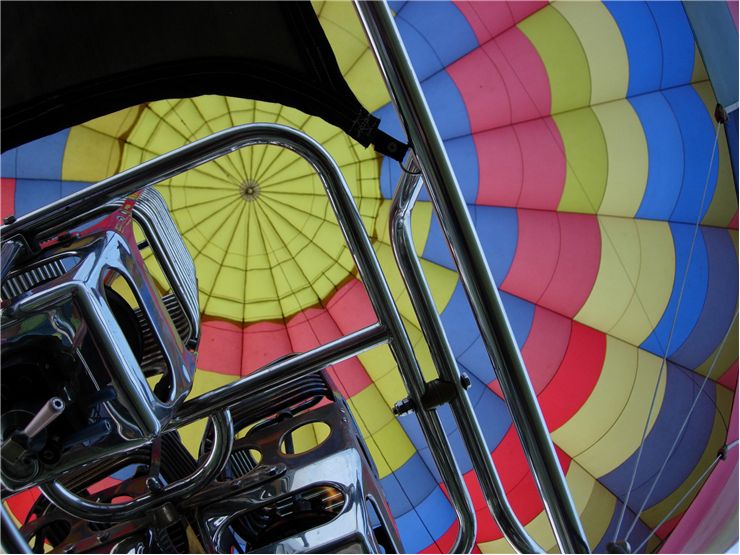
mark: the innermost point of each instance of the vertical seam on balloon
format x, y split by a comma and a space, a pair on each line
670, 336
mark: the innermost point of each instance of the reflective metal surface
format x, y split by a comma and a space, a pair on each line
412, 273
84, 509
475, 275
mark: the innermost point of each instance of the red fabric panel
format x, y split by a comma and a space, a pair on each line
489, 19
20, 504
503, 82
7, 197
733, 221
576, 378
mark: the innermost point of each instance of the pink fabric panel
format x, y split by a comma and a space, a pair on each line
543, 162
220, 348
350, 307
536, 255
489, 19
545, 347
732, 6
714, 509
263, 343
503, 82
578, 264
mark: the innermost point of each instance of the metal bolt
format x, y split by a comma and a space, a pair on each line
272, 471
9, 220
402, 407
465, 380
154, 485
103, 536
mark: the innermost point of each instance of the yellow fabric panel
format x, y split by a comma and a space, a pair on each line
421, 218
349, 43
93, 150
285, 235
586, 153
608, 427
377, 456
627, 158
593, 502
724, 202
635, 278
378, 362
369, 407
597, 510
394, 444
699, 72
204, 381
562, 53
604, 47
653, 515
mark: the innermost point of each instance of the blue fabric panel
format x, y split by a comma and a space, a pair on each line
397, 499
42, 159
665, 156
9, 163
636, 537
31, 194
464, 159
436, 249
397, 5
677, 40
436, 512
694, 293
435, 34
681, 389
719, 306
416, 482
447, 106
642, 41
498, 231
414, 534
716, 36
697, 133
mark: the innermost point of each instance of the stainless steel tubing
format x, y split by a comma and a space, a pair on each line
223, 438
12, 539
48, 413
353, 229
10, 250
474, 272
412, 273
280, 373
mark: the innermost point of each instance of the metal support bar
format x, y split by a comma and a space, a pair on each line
280, 373
475, 275
412, 273
223, 438
10, 250
12, 539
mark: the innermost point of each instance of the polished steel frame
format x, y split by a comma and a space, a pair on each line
429, 157
449, 204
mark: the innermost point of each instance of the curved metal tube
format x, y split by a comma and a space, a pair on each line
402, 242
78, 507
475, 274
41, 221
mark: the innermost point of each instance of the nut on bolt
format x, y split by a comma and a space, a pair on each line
403, 406
465, 380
